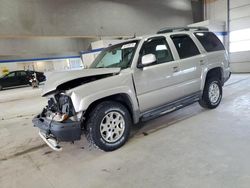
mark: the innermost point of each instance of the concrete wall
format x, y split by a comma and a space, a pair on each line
91, 18
22, 21
32, 47
197, 10
216, 10
7, 66
43, 66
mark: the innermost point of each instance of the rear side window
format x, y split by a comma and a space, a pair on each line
209, 41
185, 46
22, 73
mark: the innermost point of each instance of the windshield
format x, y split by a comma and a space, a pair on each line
119, 55
5, 75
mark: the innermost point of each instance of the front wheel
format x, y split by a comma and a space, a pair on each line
108, 126
212, 93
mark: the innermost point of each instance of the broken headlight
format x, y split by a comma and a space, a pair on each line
60, 108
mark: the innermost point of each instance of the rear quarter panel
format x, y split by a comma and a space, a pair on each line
214, 60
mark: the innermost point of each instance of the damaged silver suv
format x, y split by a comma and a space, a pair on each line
136, 80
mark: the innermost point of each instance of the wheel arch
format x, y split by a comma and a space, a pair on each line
122, 98
214, 72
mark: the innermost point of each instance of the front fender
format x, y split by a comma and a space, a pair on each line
88, 100
83, 96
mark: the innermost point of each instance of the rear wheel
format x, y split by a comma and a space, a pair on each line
108, 126
212, 93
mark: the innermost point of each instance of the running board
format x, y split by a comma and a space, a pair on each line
170, 107
51, 142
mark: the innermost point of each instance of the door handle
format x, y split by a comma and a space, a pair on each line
176, 69
202, 62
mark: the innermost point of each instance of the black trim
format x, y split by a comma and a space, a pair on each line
62, 131
177, 29
227, 78
170, 107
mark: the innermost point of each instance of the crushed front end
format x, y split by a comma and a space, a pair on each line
58, 122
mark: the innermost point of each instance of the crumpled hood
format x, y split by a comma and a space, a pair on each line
57, 78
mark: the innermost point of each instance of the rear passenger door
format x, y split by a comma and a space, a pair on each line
191, 62
22, 78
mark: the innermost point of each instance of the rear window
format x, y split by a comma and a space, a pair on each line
209, 41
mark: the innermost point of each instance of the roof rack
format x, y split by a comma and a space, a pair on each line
174, 29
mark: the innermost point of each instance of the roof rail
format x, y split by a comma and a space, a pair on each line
173, 29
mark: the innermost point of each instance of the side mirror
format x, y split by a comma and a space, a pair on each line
147, 60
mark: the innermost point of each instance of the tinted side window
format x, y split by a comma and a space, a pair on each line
185, 46
30, 72
209, 41
22, 73
158, 47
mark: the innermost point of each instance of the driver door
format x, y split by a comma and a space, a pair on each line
156, 84
10, 80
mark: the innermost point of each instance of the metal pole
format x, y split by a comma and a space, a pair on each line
228, 25
204, 10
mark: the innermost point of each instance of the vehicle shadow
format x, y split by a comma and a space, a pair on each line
151, 126
15, 87
20, 87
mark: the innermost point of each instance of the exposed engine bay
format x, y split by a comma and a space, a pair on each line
59, 108
57, 123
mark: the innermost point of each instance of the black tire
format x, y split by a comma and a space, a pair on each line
206, 101
100, 114
1, 87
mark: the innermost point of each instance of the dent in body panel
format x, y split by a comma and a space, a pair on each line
75, 78
80, 81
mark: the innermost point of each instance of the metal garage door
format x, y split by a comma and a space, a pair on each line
239, 13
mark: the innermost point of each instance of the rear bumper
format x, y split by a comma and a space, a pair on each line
227, 78
62, 131
227, 74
